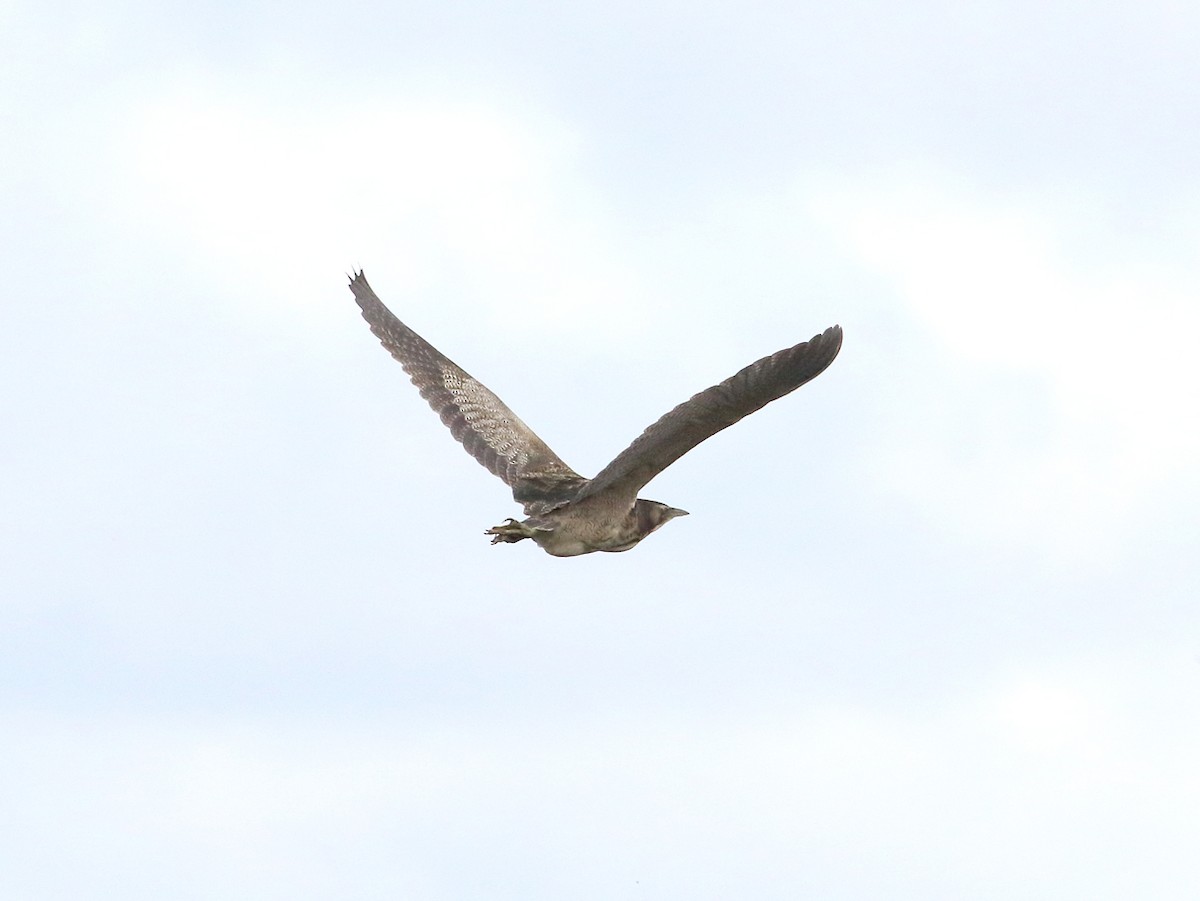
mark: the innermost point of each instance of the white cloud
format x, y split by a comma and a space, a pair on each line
448, 197
1076, 357
1056, 765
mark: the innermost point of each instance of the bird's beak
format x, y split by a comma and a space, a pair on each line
675, 511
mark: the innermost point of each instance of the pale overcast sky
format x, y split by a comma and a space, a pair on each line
931, 630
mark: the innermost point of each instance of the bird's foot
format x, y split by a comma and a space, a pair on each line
511, 531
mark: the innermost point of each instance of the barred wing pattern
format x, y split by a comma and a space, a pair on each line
477, 418
712, 410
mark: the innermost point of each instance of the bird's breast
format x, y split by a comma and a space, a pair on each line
585, 529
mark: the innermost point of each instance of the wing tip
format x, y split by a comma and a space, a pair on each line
363, 293
827, 343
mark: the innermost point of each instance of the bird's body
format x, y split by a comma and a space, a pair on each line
567, 514
598, 523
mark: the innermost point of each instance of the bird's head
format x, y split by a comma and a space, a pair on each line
651, 515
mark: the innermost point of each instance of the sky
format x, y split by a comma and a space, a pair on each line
931, 629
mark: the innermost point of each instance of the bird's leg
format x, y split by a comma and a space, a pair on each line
511, 531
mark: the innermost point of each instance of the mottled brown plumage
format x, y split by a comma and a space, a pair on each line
567, 513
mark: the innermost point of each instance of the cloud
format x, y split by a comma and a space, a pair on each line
1063, 350
1056, 765
445, 197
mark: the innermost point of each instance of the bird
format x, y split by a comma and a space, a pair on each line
568, 515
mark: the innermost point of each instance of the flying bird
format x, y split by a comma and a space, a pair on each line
567, 514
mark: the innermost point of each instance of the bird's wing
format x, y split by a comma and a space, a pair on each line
489, 430
717, 408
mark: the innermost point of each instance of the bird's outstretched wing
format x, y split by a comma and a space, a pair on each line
489, 430
717, 408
